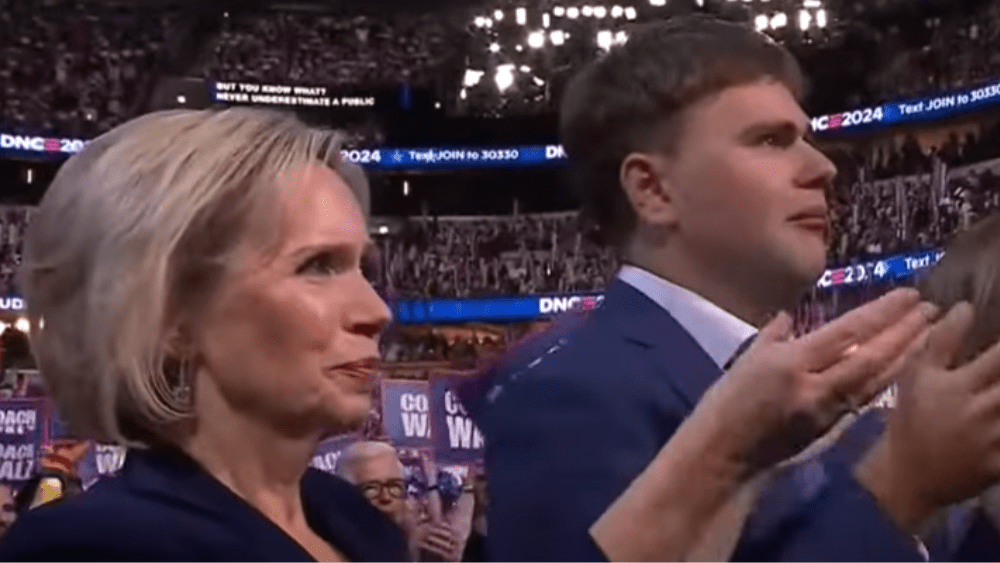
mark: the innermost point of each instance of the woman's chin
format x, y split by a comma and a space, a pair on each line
350, 415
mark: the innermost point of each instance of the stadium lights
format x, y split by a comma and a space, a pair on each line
521, 15
600, 12
573, 13
498, 15
761, 22
519, 48
587, 11
546, 20
804, 20
779, 20
505, 77
406, 183
472, 77
604, 39
463, 95
488, 22
630, 13
821, 18
812, 4
480, 21
536, 39
658, 2
559, 11
558, 37
494, 47
22, 325
525, 69
621, 37
617, 12
538, 81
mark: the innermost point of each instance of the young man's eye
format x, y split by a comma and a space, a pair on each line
776, 140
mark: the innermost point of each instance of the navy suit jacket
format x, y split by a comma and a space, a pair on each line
567, 432
164, 507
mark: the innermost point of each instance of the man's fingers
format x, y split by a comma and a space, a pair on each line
440, 544
866, 367
946, 336
826, 346
896, 371
985, 369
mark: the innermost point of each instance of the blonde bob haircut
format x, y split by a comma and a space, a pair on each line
132, 238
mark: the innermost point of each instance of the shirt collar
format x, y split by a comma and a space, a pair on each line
717, 331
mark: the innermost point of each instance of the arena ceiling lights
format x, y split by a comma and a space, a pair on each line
539, 28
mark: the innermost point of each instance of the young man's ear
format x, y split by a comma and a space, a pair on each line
646, 182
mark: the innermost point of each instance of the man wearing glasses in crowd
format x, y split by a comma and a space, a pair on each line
374, 467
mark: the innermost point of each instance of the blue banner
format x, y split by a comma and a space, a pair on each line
529, 308
406, 413
22, 426
917, 110
900, 112
456, 438
894, 268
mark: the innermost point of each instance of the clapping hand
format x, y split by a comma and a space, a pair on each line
942, 444
436, 542
783, 393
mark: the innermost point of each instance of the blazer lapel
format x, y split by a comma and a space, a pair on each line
642, 321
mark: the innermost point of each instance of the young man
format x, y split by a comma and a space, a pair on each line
695, 161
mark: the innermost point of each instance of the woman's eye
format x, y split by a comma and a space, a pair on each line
321, 265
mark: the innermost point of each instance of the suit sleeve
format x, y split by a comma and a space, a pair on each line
559, 452
841, 522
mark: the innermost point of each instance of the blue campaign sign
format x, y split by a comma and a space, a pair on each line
101, 460
406, 412
456, 437
22, 428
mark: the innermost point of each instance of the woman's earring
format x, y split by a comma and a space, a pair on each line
183, 389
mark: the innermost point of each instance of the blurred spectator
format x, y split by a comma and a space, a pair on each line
317, 49
7, 509
72, 71
475, 546
374, 467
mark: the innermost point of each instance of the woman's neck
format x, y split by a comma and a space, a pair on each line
261, 466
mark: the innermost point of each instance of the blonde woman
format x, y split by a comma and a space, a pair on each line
194, 282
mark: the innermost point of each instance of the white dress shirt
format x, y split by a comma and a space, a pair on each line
717, 331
